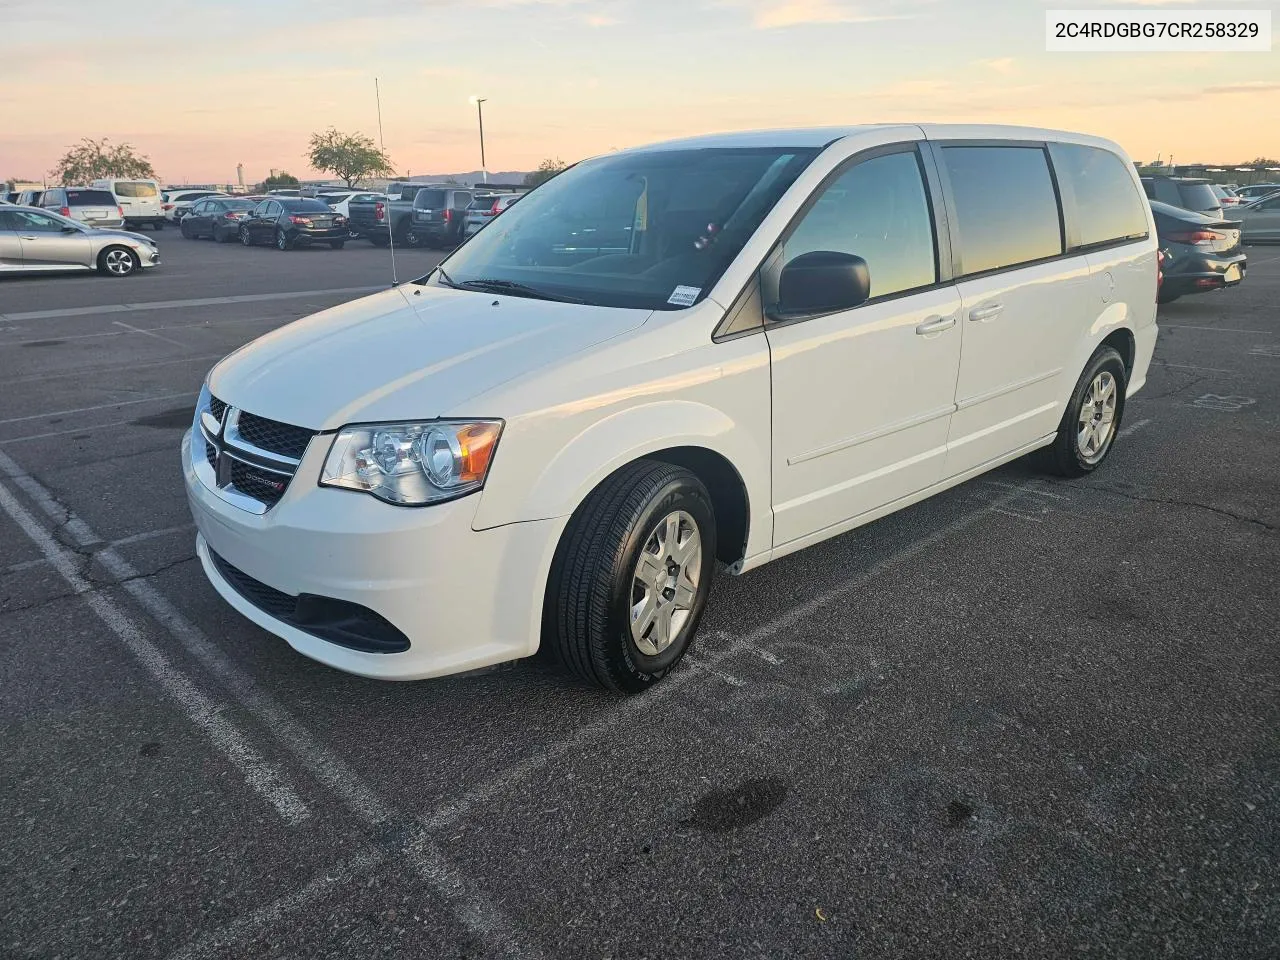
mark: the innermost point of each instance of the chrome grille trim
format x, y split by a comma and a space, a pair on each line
222, 447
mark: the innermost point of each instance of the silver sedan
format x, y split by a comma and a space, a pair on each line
33, 240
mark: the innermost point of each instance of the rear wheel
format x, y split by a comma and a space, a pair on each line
118, 262
1092, 419
631, 576
282, 240
338, 244
379, 241
184, 230
158, 224
245, 238
218, 237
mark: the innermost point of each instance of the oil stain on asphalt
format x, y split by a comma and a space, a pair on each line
167, 419
721, 811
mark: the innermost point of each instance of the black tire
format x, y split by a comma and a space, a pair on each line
380, 241
182, 228
587, 610
158, 224
1163, 297
1064, 456
409, 238
282, 240
338, 244
116, 261
245, 238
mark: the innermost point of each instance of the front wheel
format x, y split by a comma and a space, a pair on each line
245, 238
631, 576
338, 244
158, 225
118, 262
182, 229
1092, 419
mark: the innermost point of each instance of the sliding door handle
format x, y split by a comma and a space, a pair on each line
988, 311
936, 325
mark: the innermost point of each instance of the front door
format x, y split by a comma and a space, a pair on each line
862, 398
47, 242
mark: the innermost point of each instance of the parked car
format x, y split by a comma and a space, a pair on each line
285, 192
29, 198
91, 206
1200, 253
1186, 192
139, 200
342, 205
1257, 191
414, 213
1260, 220
34, 240
176, 203
484, 208
217, 218
293, 221
1226, 196
536, 444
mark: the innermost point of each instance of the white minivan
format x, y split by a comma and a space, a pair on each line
139, 200
714, 350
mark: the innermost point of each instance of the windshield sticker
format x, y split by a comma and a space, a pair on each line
684, 296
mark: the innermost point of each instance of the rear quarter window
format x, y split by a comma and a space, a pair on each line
429, 199
1108, 207
1198, 196
1006, 206
90, 198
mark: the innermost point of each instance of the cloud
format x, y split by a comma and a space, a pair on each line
774, 14
1248, 86
599, 20
1005, 66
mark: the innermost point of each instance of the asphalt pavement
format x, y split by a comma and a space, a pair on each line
1026, 718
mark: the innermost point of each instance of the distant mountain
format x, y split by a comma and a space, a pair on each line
471, 177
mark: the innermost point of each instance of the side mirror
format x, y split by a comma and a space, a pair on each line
68, 228
823, 281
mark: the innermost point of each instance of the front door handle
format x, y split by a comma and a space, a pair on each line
28, 238
986, 312
936, 325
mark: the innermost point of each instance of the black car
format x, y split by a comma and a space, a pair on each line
1185, 192
1199, 253
293, 221
218, 218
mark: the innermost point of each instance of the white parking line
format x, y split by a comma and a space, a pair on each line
1133, 428
148, 333
188, 395
186, 304
479, 916
1187, 326
264, 918
122, 542
89, 371
261, 776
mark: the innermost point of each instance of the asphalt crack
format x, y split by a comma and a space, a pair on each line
1170, 501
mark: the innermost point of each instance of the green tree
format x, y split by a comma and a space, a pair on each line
351, 156
92, 159
281, 179
546, 170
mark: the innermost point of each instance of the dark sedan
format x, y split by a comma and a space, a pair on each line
288, 222
1200, 253
217, 218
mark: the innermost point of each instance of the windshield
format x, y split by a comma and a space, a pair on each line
305, 206
652, 230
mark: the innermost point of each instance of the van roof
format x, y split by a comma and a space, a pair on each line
810, 137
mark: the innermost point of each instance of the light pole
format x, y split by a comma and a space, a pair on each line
479, 102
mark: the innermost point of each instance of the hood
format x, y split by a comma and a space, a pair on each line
412, 353
107, 231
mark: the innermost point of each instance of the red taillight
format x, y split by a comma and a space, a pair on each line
493, 211
379, 210
448, 216
1160, 258
120, 210
166, 206
233, 215
303, 220
1196, 236
65, 211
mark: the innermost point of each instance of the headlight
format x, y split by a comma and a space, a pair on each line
413, 463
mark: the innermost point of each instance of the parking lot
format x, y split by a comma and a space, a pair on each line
1028, 717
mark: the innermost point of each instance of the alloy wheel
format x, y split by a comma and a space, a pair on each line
1097, 417
664, 584
119, 262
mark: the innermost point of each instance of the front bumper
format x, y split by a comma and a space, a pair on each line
463, 598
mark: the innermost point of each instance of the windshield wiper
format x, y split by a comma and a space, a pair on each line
445, 278
493, 285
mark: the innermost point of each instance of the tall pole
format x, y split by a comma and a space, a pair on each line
377, 93
484, 170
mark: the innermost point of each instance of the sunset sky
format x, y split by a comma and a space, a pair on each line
199, 87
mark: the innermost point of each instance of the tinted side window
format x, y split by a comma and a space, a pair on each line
1167, 192
429, 199
1197, 196
1006, 206
126, 188
878, 210
1107, 206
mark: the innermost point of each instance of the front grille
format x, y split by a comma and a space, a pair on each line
273, 436
341, 622
211, 454
217, 408
265, 486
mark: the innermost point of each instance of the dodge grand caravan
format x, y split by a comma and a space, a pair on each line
714, 350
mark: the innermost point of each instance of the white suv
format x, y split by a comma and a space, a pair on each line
721, 349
